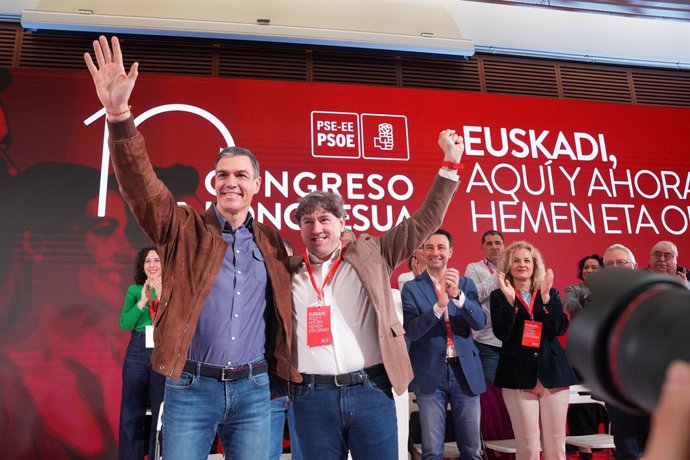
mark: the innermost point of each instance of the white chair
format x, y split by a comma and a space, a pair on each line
506, 446
580, 395
159, 429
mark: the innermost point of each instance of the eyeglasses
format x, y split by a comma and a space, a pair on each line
618, 263
663, 255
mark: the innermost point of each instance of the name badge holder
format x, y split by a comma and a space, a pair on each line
148, 334
319, 316
531, 331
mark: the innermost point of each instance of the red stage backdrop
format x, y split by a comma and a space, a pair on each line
572, 177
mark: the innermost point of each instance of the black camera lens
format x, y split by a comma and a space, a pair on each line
622, 343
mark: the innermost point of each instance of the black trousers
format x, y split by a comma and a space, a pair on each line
630, 433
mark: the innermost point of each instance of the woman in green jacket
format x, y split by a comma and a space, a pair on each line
141, 385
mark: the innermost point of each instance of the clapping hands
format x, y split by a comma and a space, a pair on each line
152, 287
447, 287
506, 288
546, 286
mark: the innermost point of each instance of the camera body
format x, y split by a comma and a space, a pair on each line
636, 323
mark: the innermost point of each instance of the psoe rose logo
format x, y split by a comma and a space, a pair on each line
370, 136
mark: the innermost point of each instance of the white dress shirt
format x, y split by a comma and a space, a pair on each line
480, 273
355, 343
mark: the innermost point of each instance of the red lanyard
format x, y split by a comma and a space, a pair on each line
446, 319
329, 276
153, 304
153, 307
491, 270
530, 307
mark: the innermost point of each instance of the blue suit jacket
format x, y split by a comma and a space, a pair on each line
427, 334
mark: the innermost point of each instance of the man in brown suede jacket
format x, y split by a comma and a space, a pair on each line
221, 272
349, 344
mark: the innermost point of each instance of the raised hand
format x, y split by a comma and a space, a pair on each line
452, 145
113, 85
415, 267
546, 286
506, 288
417, 264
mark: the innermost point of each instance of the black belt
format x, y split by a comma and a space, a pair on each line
453, 360
227, 373
344, 380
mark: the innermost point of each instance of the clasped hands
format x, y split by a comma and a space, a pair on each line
151, 286
447, 287
509, 291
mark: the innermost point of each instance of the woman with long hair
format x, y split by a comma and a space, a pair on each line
141, 385
527, 316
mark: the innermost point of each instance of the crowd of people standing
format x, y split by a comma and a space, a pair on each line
234, 308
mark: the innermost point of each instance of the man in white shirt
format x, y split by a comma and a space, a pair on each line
348, 343
483, 273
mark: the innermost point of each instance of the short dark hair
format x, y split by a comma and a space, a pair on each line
492, 233
139, 273
240, 151
329, 202
444, 232
581, 264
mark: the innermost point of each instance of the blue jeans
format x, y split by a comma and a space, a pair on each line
465, 410
196, 407
330, 420
488, 354
140, 384
281, 409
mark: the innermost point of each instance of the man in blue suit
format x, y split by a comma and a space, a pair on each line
440, 309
